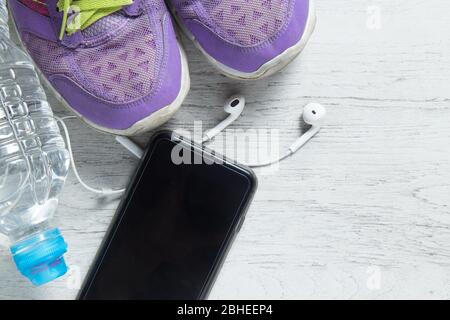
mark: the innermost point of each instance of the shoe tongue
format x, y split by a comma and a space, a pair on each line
104, 25
211, 4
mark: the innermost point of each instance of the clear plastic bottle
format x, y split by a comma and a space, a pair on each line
33, 165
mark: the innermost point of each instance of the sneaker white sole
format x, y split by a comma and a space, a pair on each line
153, 121
270, 67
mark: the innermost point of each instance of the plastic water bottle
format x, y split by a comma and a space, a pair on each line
33, 165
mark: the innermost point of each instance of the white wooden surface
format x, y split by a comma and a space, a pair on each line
361, 212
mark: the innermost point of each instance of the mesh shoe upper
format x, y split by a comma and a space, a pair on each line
241, 22
114, 73
247, 38
119, 61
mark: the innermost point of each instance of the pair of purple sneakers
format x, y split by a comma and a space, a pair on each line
118, 65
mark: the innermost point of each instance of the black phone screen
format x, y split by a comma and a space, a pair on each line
172, 230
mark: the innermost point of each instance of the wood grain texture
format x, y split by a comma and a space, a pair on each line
363, 211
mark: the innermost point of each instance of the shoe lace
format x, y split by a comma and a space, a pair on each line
80, 14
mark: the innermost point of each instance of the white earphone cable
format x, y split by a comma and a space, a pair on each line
132, 147
234, 106
104, 191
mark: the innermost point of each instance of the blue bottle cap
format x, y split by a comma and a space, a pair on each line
40, 257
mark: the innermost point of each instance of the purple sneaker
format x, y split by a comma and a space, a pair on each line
247, 39
122, 70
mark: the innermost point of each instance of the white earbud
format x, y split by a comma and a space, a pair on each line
313, 114
234, 107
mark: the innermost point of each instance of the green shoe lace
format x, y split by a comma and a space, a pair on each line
86, 12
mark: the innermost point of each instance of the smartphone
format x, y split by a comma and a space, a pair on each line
175, 225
